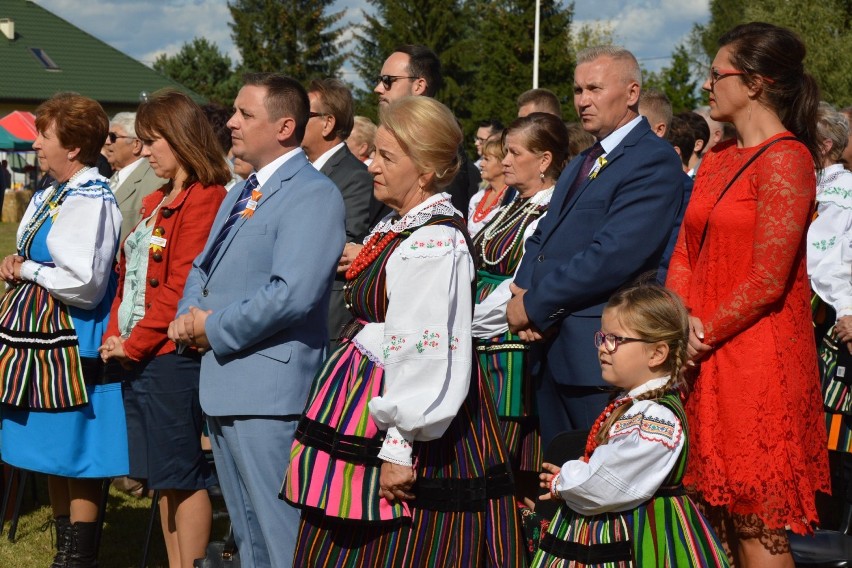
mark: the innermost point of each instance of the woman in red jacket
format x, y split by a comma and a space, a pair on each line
161, 393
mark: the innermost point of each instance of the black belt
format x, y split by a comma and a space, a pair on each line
95, 372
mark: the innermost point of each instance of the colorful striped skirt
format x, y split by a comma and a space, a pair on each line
667, 531
463, 514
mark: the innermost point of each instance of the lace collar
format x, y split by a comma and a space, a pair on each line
438, 204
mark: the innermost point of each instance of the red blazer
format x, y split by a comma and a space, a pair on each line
185, 225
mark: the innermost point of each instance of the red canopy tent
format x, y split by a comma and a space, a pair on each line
20, 124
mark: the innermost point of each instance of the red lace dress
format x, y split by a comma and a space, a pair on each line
755, 414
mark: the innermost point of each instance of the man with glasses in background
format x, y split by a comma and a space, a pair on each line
134, 178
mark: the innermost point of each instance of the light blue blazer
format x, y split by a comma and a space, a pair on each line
268, 288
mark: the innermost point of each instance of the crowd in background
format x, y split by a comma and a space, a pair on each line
380, 337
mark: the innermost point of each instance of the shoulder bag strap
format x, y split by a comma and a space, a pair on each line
733, 179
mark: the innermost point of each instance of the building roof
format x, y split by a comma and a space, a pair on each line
49, 55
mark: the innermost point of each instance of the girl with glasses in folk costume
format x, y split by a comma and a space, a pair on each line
624, 504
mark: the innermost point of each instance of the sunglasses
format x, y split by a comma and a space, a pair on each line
388, 80
113, 137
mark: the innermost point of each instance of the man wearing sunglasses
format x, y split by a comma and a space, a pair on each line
134, 178
415, 70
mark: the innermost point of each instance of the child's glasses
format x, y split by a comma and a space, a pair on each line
611, 342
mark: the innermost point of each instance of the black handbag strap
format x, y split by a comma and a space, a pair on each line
733, 179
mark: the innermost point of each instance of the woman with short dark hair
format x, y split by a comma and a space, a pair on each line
156, 257
757, 454
60, 411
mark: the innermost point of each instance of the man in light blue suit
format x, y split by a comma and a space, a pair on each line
608, 222
256, 301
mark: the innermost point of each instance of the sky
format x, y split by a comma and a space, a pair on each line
649, 28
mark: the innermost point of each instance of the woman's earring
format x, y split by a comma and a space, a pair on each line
541, 176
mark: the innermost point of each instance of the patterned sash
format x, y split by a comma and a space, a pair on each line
40, 364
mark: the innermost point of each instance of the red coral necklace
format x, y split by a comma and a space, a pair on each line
369, 253
592, 440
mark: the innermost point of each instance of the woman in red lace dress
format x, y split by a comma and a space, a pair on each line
757, 449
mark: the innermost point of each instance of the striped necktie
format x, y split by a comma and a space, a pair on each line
236, 211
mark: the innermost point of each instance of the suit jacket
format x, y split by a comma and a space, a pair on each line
613, 229
355, 183
688, 182
129, 195
186, 225
268, 289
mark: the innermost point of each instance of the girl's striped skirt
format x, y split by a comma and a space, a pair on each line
667, 531
463, 514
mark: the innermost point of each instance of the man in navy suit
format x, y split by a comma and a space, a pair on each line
608, 222
256, 301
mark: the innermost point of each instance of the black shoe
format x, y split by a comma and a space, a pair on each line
83, 553
63, 540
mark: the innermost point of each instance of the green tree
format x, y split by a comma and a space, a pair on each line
441, 25
590, 35
294, 37
676, 81
200, 66
503, 58
825, 27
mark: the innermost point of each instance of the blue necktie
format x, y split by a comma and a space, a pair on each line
236, 211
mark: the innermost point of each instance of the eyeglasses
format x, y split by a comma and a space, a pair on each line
387, 81
313, 114
611, 342
112, 136
717, 75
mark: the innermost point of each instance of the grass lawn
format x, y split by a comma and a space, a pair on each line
7, 238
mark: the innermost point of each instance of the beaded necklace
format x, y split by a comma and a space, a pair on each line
504, 220
592, 440
370, 252
482, 210
45, 210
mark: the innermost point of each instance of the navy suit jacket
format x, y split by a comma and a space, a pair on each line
268, 288
614, 228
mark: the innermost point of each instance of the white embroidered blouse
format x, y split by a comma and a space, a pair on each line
424, 343
82, 242
644, 446
829, 249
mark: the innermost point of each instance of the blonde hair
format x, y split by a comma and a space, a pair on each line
494, 147
428, 132
654, 314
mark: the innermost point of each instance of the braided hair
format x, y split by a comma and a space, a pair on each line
655, 314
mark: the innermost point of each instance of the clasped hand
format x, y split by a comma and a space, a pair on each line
395, 482
516, 314
190, 329
10, 269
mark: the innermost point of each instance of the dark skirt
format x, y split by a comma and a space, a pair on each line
164, 423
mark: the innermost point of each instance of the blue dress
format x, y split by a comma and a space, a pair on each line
88, 441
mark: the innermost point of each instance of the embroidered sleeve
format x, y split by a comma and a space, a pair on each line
426, 349
630, 468
829, 249
82, 243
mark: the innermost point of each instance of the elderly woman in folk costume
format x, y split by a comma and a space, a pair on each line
60, 412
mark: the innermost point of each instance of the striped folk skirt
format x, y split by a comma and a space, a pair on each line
463, 514
667, 531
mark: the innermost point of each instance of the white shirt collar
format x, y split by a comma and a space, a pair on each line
125, 172
264, 173
649, 386
614, 139
320, 162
